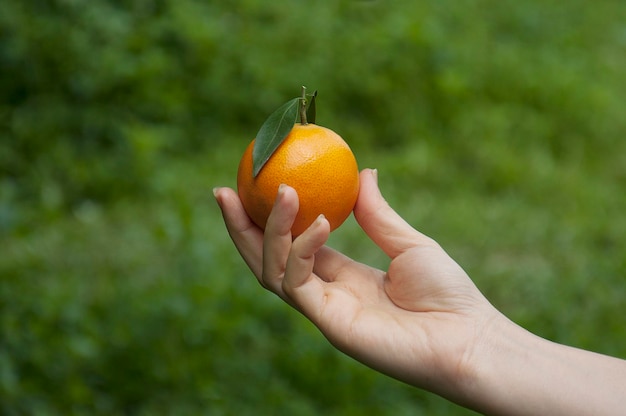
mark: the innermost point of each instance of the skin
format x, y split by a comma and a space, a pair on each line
423, 321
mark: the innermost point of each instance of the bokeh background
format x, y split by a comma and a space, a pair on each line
497, 127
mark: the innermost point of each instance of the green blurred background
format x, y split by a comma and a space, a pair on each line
497, 127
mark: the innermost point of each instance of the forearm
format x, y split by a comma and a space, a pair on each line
513, 372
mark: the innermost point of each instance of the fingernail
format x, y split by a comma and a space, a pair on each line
280, 192
318, 221
215, 190
375, 175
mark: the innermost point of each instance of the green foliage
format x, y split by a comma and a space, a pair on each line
497, 128
273, 132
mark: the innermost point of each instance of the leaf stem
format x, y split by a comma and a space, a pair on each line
303, 120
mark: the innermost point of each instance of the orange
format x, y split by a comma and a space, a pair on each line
317, 163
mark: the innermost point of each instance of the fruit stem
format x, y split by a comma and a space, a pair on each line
303, 120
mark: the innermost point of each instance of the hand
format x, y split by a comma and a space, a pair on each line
423, 321
418, 322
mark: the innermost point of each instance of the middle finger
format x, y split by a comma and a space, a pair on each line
277, 238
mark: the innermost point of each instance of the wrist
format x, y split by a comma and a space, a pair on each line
494, 367
514, 372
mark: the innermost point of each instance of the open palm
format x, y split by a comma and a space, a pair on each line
417, 322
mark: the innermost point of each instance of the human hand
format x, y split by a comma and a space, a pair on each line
423, 321
417, 322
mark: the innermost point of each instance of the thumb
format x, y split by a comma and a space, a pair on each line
381, 223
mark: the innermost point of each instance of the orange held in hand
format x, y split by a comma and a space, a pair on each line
316, 162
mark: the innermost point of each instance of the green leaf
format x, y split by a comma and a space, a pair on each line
310, 110
273, 132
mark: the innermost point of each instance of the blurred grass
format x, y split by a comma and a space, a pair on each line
496, 128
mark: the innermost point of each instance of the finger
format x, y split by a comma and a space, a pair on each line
277, 239
303, 288
248, 238
331, 265
381, 223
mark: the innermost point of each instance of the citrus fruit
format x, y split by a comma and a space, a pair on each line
317, 163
